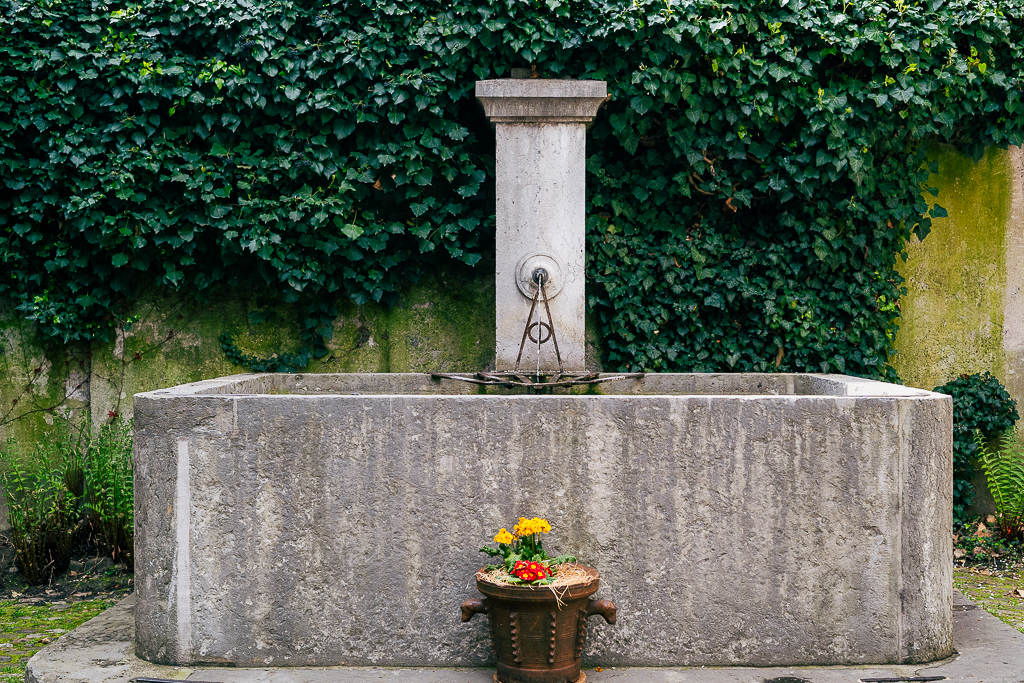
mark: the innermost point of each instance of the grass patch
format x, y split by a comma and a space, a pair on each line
26, 629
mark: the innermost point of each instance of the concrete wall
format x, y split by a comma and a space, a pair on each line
790, 520
964, 308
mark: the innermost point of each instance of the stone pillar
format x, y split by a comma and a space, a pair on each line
540, 172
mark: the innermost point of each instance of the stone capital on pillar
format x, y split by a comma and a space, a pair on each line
541, 100
540, 215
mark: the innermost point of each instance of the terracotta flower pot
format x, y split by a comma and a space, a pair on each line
536, 639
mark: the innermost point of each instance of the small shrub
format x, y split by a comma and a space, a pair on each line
109, 474
72, 478
1003, 464
980, 404
44, 513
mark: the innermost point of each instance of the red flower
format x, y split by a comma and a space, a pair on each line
530, 571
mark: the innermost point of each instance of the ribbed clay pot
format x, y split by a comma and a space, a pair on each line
536, 639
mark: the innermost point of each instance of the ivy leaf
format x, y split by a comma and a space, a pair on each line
778, 72
642, 104
903, 95
352, 231
424, 176
343, 128
292, 91
714, 300
630, 141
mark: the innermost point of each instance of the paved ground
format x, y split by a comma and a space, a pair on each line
100, 651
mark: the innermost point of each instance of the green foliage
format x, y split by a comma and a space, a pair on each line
72, 478
752, 180
974, 543
1003, 464
109, 493
44, 511
980, 405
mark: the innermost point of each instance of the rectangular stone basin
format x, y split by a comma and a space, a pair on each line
759, 520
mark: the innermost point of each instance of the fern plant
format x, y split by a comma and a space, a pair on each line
44, 514
109, 495
1003, 463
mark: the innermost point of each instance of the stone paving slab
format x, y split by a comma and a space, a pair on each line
101, 651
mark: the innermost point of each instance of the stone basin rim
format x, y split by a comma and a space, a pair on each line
651, 385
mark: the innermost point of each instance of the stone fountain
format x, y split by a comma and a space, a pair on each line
318, 520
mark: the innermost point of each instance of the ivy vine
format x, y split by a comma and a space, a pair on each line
315, 330
981, 405
752, 180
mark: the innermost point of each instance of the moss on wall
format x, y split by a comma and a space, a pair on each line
952, 315
35, 381
443, 323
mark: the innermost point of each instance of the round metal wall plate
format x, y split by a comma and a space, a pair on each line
524, 274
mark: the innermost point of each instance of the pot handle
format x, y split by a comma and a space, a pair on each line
472, 607
606, 608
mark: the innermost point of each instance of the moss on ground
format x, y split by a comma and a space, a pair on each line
1000, 593
26, 629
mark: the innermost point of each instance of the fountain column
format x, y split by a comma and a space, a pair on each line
540, 128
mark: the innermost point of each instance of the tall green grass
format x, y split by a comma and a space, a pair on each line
44, 510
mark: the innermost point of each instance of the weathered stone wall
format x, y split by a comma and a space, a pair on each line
964, 308
443, 323
35, 378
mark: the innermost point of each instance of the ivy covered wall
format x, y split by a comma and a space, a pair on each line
962, 314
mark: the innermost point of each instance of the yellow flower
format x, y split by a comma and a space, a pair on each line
528, 527
503, 536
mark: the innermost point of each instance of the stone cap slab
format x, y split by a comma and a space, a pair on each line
541, 100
